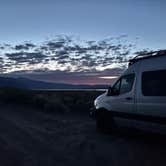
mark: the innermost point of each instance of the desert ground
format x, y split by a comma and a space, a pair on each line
33, 136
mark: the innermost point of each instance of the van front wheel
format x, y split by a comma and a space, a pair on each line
104, 121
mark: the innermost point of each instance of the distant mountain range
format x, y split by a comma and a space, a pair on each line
24, 83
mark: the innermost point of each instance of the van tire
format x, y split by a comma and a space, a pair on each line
104, 121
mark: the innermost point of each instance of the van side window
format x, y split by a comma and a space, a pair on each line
123, 85
154, 83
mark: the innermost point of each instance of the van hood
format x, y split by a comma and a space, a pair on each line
99, 98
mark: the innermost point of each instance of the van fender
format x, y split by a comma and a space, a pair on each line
103, 106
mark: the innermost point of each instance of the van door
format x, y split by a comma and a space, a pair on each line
122, 97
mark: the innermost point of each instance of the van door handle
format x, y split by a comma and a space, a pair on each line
129, 98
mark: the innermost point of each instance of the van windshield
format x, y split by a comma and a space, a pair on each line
123, 85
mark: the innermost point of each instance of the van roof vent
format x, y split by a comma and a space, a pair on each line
147, 55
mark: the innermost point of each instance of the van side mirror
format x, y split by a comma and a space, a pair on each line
109, 91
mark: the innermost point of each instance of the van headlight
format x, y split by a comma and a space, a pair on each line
95, 103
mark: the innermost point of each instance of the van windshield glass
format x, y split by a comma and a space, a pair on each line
123, 85
126, 83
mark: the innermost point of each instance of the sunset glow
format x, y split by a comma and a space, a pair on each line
109, 77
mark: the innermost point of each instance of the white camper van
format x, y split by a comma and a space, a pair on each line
139, 93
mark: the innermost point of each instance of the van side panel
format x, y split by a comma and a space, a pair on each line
151, 105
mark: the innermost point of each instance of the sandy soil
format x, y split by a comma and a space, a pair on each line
30, 138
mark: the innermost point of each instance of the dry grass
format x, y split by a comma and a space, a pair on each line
52, 101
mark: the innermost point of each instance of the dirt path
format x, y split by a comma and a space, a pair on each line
30, 138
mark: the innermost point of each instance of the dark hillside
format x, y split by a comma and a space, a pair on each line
24, 83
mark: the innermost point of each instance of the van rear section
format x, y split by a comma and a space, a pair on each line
151, 89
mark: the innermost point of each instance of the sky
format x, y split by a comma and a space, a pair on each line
38, 22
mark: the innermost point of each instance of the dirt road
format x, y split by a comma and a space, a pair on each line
32, 138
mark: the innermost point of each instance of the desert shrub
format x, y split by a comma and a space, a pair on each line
13, 95
55, 105
50, 101
78, 101
39, 101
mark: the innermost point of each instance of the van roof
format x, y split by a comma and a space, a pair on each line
147, 55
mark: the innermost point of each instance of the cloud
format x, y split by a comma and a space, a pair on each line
1, 60
55, 45
25, 46
26, 57
66, 56
2, 47
1, 64
61, 53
